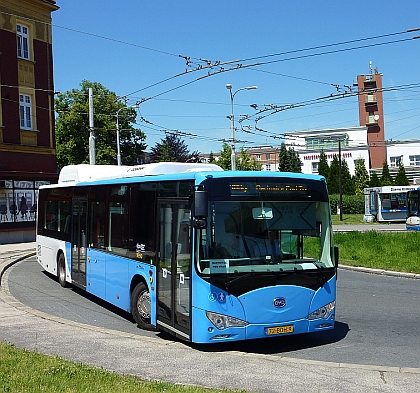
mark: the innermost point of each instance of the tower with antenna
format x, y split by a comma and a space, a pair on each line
371, 114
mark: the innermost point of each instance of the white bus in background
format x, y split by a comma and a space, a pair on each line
386, 204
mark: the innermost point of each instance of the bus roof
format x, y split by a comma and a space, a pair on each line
73, 174
389, 189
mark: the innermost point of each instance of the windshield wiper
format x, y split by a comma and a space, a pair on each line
250, 274
239, 278
320, 270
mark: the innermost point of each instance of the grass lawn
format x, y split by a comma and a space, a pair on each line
379, 250
29, 372
350, 219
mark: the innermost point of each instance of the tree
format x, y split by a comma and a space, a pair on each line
323, 167
289, 160
245, 163
374, 180
333, 177
401, 179
295, 163
243, 160
346, 179
361, 177
283, 158
386, 179
72, 127
211, 158
224, 160
172, 149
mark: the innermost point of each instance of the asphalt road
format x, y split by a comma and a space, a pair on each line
378, 319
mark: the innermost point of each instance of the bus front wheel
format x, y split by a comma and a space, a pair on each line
140, 306
61, 271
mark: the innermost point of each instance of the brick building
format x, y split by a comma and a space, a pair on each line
371, 115
27, 137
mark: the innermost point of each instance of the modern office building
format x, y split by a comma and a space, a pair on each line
27, 136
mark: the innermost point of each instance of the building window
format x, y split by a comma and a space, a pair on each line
23, 41
25, 112
326, 142
315, 167
267, 156
258, 157
415, 160
268, 167
359, 159
395, 161
18, 200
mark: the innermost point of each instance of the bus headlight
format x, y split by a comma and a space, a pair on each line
323, 312
222, 322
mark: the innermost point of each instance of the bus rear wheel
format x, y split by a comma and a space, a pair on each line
61, 270
140, 307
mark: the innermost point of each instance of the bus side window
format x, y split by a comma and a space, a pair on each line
97, 225
118, 228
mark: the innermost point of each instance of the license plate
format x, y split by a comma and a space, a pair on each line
280, 330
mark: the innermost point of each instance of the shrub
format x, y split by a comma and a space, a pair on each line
351, 204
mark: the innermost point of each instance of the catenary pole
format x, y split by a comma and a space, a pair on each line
92, 148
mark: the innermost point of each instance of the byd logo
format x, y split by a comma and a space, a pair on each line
279, 302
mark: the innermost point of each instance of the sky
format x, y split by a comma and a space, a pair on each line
173, 59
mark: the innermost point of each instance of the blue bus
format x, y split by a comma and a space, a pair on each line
386, 204
204, 254
413, 214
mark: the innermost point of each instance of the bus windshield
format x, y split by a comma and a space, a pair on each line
413, 198
264, 236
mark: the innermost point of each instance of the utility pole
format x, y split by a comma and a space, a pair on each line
92, 147
340, 184
232, 122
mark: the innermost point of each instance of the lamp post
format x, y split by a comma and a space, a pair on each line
118, 133
232, 120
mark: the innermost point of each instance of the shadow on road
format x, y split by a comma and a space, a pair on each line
282, 344
274, 345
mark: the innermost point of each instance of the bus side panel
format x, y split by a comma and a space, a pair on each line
95, 272
47, 251
117, 284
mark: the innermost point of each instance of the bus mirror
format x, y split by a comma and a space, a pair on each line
200, 204
335, 251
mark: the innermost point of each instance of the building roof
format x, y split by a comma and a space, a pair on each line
325, 131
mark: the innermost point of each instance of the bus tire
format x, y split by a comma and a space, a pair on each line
140, 306
61, 270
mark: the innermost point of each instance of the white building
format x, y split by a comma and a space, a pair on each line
354, 146
309, 144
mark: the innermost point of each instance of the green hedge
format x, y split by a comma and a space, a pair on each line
352, 204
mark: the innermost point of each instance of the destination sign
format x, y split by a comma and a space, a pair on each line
255, 188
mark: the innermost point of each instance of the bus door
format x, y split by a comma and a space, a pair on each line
174, 267
79, 241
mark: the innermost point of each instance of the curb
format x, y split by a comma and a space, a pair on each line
5, 266
380, 272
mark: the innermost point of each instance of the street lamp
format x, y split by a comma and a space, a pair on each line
118, 133
232, 120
